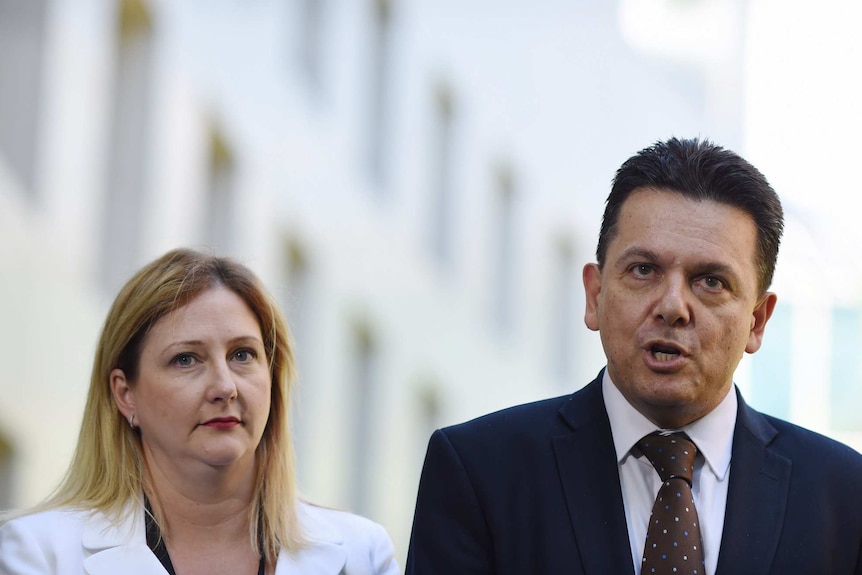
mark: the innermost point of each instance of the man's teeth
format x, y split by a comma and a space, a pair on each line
664, 356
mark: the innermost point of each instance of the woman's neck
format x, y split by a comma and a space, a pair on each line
201, 503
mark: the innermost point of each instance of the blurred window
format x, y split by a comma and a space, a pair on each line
365, 374
562, 312
771, 367
311, 41
297, 292
129, 153
22, 47
296, 302
378, 79
430, 410
6, 495
221, 195
503, 250
441, 177
846, 382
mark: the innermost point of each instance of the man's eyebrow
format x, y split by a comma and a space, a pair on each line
636, 252
719, 268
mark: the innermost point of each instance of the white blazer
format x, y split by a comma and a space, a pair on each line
68, 542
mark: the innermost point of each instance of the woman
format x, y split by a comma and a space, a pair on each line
184, 463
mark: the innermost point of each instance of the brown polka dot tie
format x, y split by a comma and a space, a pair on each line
673, 543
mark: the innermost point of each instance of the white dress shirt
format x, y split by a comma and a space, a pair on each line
640, 482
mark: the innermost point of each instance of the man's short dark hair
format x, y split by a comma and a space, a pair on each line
700, 170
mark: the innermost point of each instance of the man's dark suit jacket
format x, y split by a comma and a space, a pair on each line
535, 490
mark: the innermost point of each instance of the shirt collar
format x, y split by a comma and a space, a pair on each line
712, 433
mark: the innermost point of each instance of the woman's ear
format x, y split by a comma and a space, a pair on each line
124, 395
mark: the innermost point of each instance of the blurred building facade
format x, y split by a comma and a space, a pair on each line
419, 183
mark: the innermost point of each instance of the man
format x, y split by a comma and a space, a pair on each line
686, 254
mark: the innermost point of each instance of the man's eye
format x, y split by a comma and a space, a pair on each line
713, 282
642, 269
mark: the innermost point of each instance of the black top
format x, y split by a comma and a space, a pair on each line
157, 544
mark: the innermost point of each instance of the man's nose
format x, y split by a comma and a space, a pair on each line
673, 306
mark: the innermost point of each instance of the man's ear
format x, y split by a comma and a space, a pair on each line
761, 314
592, 288
121, 390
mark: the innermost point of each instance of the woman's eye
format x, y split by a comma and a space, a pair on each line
184, 360
244, 355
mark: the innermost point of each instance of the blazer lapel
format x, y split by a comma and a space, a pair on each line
324, 555
111, 549
590, 479
319, 558
756, 497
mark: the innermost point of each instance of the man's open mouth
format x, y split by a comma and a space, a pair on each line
664, 352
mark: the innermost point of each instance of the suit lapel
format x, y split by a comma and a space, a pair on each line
756, 498
590, 479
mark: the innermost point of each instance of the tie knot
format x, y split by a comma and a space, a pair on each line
671, 455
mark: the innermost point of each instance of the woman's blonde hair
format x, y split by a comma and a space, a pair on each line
107, 470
